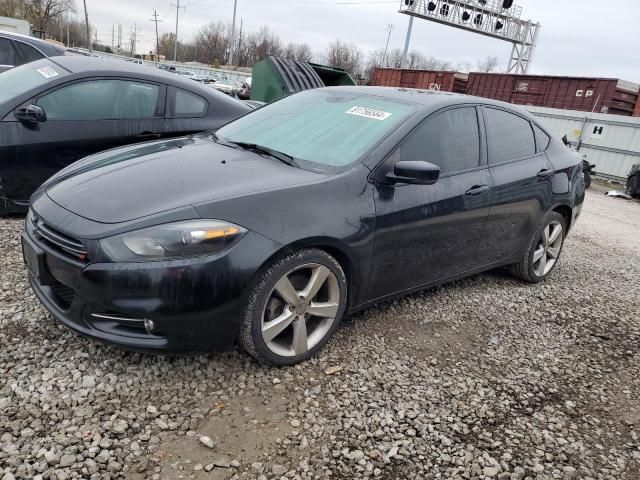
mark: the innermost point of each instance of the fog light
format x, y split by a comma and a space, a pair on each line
149, 326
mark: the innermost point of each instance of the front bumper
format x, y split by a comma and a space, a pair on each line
195, 304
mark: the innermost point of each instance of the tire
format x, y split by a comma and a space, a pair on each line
303, 294
534, 271
587, 180
632, 186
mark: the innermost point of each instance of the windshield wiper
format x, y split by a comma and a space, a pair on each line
219, 140
283, 157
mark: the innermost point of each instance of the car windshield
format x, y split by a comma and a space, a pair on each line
21, 79
324, 129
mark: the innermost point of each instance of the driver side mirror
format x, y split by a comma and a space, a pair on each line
415, 172
31, 114
565, 140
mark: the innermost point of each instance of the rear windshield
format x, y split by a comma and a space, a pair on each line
20, 80
323, 129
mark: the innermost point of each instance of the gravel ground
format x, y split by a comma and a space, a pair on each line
481, 378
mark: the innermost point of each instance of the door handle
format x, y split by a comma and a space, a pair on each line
545, 173
477, 190
148, 135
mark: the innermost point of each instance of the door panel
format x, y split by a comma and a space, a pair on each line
520, 199
52, 145
425, 233
522, 186
9, 141
84, 118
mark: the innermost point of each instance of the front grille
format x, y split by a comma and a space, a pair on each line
61, 242
64, 295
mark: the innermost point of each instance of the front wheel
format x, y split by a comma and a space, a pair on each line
294, 308
543, 250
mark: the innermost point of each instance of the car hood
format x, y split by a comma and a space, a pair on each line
133, 182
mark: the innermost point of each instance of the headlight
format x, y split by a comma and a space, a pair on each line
189, 238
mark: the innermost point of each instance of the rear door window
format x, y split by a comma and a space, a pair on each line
7, 53
450, 139
27, 53
542, 139
509, 136
189, 105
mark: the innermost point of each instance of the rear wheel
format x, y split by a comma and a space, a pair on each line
294, 308
543, 251
587, 180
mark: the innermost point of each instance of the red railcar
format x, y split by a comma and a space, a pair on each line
424, 79
603, 95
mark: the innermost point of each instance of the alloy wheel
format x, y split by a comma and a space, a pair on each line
548, 249
300, 310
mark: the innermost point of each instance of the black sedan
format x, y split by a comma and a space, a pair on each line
273, 229
57, 111
16, 50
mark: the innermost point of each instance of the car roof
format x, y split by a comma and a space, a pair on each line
428, 98
96, 66
47, 48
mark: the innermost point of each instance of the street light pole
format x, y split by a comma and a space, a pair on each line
86, 21
403, 63
384, 57
232, 50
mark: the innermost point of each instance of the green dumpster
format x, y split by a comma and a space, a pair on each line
275, 77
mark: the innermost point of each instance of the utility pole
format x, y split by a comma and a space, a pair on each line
233, 33
239, 49
155, 19
113, 37
384, 57
134, 39
175, 46
86, 21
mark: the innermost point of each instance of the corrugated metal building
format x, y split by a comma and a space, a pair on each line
612, 142
423, 79
603, 95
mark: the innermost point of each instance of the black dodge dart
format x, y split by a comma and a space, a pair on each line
270, 231
58, 110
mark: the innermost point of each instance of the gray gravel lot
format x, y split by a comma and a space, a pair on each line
482, 378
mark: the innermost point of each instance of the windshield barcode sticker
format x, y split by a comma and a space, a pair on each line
368, 113
47, 72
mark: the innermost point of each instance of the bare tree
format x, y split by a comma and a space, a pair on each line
14, 8
259, 45
212, 43
298, 51
464, 67
42, 12
346, 56
489, 64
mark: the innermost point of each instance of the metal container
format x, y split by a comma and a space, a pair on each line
276, 77
424, 79
603, 95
